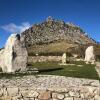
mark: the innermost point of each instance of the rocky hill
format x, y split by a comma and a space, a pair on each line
55, 35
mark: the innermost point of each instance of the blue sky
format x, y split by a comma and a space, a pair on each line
18, 15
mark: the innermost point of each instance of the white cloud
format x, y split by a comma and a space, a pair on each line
16, 28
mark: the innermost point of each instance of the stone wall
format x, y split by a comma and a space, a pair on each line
47, 87
44, 58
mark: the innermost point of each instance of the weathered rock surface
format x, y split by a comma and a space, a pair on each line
89, 55
64, 58
48, 87
52, 30
14, 56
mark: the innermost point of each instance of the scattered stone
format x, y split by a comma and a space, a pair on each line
80, 65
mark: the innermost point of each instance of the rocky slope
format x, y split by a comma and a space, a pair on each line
56, 34
54, 30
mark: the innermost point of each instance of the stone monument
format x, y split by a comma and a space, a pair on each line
64, 58
14, 55
89, 55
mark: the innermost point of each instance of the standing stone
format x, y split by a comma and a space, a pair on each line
64, 58
89, 55
14, 56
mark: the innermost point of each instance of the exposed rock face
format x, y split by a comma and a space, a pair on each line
14, 56
64, 58
89, 55
53, 30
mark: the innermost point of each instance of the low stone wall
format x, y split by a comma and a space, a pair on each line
44, 58
49, 88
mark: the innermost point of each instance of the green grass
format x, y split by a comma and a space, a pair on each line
53, 68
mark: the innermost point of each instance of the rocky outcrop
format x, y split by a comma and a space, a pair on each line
89, 55
14, 56
53, 30
49, 88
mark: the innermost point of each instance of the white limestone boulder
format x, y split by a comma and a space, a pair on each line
64, 58
89, 55
14, 56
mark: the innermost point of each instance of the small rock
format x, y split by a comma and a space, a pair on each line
33, 94
1, 92
54, 99
66, 95
60, 96
12, 91
91, 89
97, 97
71, 93
77, 99
68, 98
45, 95
6, 98
54, 95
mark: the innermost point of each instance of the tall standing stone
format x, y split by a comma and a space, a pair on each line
14, 56
89, 55
64, 58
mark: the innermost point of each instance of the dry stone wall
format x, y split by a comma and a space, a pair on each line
49, 88
44, 58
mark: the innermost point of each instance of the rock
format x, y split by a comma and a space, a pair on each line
54, 95
66, 95
77, 99
45, 95
64, 58
60, 96
12, 91
68, 98
1, 92
89, 55
14, 56
6, 98
97, 97
71, 93
33, 94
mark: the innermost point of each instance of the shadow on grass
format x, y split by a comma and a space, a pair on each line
30, 72
49, 70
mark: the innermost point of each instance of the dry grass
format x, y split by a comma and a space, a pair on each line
51, 47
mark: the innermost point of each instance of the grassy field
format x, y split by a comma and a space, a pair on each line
53, 68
